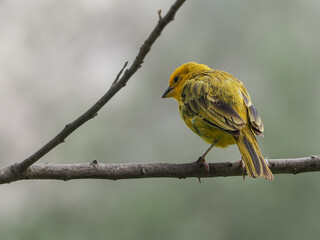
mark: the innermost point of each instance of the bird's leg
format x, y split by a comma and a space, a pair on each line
201, 160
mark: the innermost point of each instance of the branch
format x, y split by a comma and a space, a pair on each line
95, 170
18, 168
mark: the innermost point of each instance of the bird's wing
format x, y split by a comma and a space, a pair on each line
254, 117
198, 99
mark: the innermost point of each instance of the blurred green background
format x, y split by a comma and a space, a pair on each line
58, 57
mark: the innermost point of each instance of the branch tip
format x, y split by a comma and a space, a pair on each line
159, 14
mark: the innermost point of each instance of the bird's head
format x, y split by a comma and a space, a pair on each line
180, 76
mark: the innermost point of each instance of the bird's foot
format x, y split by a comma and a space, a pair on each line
202, 163
243, 166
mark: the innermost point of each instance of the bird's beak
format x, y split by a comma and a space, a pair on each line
169, 92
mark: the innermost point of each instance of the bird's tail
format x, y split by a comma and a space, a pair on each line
256, 166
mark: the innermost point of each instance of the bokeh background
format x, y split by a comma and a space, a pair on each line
58, 57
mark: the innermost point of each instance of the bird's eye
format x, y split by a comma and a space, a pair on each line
176, 78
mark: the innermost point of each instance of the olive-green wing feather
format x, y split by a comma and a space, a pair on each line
198, 99
254, 117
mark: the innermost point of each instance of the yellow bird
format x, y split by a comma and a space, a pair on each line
217, 107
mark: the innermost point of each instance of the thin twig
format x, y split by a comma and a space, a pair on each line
95, 170
19, 168
159, 14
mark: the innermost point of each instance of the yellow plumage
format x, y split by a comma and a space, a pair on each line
217, 107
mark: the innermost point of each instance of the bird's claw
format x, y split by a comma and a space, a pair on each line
243, 166
202, 163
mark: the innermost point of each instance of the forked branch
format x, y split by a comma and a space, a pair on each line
27, 169
17, 169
